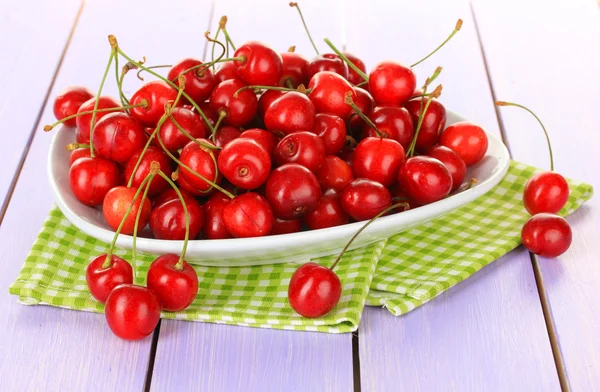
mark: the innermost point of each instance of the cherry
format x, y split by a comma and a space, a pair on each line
132, 312
102, 280
545, 192
226, 71
314, 290
391, 83
393, 122
304, 148
328, 62
332, 131
292, 191
214, 227
172, 138
211, 114
327, 213
168, 195
245, 163
266, 99
335, 173
91, 178
365, 103
167, 220
295, 70
152, 154
84, 121
378, 159
69, 101
175, 288
424, 179
117, 136
547, 235
199, 82
154, 94
202, 161
240, 109
452, 161
226, 134
347, 153
292, 112
283, 226
353, 76
259, 64
117, 202
184, 185
78, 153
248, 215
434, 121
467, 140
265, 139
327, 93
363, 199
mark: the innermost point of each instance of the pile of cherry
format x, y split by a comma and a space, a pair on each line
265, 143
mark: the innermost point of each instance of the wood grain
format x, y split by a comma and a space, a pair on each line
549, 61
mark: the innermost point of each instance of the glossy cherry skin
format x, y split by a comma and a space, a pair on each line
394, 122
226, 71
424, 179
152, 154
283, 226
292, 112
354, 77
452, 161
304, 148
170, 194
266, 139
391, 83
266, 99
327, 213
248, 215
363, 199
466, 139
547, 235
244, 163
365, 103
226, 134
199, 82
155, 93
172, 138
176, 289
167, 220
214, 227
261, 65
78, 153
433, 123
68, 102
328, 94
118, 136
329, 62
91, 178
186, 186
378, 159
84, 121
332, 131
101, 281
201, 160
335, 173
292, 191
240, 110
132, 312
545, 192
295, 70
115, 205
314, 290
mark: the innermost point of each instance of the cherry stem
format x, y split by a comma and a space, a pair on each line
348, 100
292, 4
346, 60
430, 79
214, 42
48, 128
436, 93
139, 214
152, 67
502, 103
472, 183
392, 207
222, 115
456, 29
257, 87
126, 68
223, 27
289, 83
186, 134
179, 265
75, 146
113, 54
362, 83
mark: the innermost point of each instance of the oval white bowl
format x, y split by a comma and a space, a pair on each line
298, 247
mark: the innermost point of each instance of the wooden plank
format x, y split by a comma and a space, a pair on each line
551, 65
487, 333
195, 356
42, 347
27, 67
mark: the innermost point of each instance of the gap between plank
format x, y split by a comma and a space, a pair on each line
154, 345
539, 281
356, 362
19, 168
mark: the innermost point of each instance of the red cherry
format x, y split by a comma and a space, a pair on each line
314, 290
265, 139
328, 62
189, 121
78, 153
248, 215
115, 205
132, 312
245, 163
226, 134
152, 154
167, 220
101, 281
184, 185
452, 161
226, 71
68, 102
365, 103
292, 112
332, 131
170, 194
354, 77
304, 148
391, 83
378, 159
266, 99
327, 213
202, 161
424, 179
363, 199
91, 178
394, 122
155, 94
175, 288
328, 91
118, 136
84, 121
433, 123
282, 226
214, 227
547, 235
199, 82
261, 64
335, 173
240, 110
295, 70
211, 114
347, 153
545, 192
292, 191
466, 139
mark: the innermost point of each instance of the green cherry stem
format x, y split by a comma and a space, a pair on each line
257, 87
214, 42
179, 265
346, 60
152, 67
222, 115
223, 27
348, 101
293, 4
113, 54
48, 128
456, 30
75, 146
154, 166
186, 134
436, 93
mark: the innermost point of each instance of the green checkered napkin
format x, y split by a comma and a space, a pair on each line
401, 273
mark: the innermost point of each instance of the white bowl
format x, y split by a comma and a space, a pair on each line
297, 247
